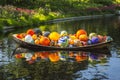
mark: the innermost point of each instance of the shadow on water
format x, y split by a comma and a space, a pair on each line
64, 65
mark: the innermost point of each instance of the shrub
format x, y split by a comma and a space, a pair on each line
103, 2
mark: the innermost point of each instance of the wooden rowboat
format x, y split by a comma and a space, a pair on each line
35, 47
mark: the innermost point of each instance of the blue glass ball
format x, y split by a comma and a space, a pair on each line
95, 40
89, 42
37, 31
46, 33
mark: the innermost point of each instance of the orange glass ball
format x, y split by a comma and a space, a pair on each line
54, 36
37, 41
30, 32
83, 37
20, 36
45, 41
71, 41
80, 32
34, 36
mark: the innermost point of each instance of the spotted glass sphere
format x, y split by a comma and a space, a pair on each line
63, 41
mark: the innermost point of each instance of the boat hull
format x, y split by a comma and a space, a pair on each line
31, 46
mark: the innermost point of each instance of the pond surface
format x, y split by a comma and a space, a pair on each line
64, 65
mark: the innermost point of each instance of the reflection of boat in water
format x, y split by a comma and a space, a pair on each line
55, 56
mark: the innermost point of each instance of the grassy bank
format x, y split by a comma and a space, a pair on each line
15, 14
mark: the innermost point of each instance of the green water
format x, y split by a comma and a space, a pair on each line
90, 66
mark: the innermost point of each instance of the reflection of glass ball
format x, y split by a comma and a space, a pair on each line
95, 40
63, 56
28, 55
93, 56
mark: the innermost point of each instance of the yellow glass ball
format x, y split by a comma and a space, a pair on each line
54, 36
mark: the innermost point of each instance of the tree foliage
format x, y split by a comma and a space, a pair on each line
53, 3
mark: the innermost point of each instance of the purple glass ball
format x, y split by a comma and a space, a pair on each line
95, 40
